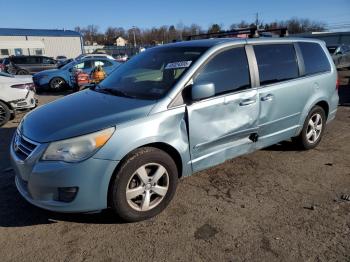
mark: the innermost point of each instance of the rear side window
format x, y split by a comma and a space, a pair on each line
315, 59
19, 60
276, 63
27, 60
228, 71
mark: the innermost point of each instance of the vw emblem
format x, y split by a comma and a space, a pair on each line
16, 143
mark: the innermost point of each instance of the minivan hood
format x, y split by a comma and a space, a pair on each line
81, 113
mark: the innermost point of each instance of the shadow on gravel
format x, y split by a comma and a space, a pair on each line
284, 146
344, 95
53, 93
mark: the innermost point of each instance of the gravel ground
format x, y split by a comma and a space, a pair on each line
277, 204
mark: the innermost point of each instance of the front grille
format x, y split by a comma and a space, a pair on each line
23, 146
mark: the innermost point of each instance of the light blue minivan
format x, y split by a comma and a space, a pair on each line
169, 112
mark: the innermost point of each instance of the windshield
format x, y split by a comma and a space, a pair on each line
151, 74
69, 65
5, 74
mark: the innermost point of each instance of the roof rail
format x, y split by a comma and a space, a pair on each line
251, 32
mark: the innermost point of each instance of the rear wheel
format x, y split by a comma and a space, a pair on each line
313, 128
5, 113
22, 72
57, 84
144, 185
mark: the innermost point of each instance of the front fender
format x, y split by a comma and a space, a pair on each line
168, 127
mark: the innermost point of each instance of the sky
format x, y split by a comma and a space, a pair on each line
58, 14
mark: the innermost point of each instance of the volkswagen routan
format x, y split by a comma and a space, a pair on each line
167, 113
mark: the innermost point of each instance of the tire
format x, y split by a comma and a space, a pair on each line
131, 176
57, 84
5, 113
313, 129
22, 72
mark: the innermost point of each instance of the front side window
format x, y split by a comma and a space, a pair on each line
315, 59
151, 74
276, 63
103, 63
48, 61
83, 65
228, 71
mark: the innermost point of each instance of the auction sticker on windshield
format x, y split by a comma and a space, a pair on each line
180, 64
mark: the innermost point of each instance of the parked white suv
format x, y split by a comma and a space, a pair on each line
16, 93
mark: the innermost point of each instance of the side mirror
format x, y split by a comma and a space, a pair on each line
201, 91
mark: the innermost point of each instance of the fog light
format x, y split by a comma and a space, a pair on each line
67, 194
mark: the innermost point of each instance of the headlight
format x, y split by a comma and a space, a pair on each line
78, 148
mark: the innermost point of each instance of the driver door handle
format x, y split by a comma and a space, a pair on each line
268, 97
247, 102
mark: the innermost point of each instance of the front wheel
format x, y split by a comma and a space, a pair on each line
22, 72
144, 185
313, 128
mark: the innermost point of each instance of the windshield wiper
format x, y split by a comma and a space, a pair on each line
111, 91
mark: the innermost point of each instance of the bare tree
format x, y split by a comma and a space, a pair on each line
166, 34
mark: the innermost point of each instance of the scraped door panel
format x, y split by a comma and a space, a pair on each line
219, 128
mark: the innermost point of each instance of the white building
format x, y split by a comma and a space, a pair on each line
40, 42
120, 41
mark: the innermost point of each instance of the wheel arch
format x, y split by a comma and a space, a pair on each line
170, 150
321, 101
6, 103
324, 105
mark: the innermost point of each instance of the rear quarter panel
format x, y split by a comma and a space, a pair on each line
323, 89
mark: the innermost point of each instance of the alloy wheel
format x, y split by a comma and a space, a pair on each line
56, 83
147, 187
314, 129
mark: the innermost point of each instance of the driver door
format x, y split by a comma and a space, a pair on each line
221, 127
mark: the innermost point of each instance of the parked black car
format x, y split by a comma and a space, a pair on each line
26, 65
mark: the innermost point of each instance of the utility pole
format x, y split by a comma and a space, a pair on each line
257, 20
134, 35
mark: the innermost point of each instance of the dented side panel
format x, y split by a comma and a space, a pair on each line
219, 128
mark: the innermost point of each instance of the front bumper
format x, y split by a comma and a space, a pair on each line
38, 181
26, 103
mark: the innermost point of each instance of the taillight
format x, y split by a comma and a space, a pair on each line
337, 84
28, 86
